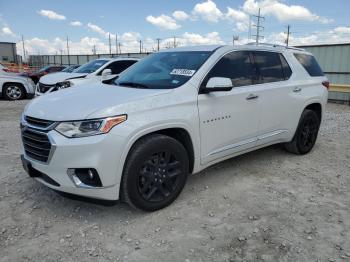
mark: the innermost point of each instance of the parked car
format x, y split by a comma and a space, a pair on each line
90, 72
35, 76
70, 69
3, 69
175, 112
15, 87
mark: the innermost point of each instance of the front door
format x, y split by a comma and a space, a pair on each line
229, 120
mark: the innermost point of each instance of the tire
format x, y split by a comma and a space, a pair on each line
306, 134
155, 172
13, 91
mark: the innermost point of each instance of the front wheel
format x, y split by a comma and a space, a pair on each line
306, 133
155, 172
13, 91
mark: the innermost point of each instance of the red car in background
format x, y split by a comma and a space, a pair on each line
35, 76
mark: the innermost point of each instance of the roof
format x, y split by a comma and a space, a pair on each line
117, 58
250, 46
202, 48
325, 45
8, 43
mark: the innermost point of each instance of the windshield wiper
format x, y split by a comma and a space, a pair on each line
133, 84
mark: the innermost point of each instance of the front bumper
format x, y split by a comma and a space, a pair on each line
101, 152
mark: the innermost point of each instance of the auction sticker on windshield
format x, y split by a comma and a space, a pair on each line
182, 72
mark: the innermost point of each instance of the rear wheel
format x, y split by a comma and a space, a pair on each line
306, 133
13, 91
155, 172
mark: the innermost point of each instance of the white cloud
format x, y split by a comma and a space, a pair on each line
342, 30
281, 11
207, 11
197, 39
130, 36
240, 18
76, 23
180, 15
100, 31
163, 22
7, 31
51, 15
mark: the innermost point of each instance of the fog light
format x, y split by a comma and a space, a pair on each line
84, 177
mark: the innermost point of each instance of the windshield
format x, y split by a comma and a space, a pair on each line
44, 69
70, 69
90, 67
163, 70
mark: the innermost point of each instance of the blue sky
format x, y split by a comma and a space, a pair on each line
46, 24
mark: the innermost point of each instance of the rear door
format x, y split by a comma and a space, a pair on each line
277, 94
229, 120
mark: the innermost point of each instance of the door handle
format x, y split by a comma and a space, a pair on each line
252, 96
297, 89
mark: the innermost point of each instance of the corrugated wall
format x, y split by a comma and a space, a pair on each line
335, 62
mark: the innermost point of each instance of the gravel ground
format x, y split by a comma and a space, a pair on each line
267, 205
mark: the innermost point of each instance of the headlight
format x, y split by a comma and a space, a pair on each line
65, 84
89, 127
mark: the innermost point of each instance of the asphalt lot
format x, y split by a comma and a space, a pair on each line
267, 205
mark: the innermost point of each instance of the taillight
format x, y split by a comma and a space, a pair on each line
5, 69
326, 84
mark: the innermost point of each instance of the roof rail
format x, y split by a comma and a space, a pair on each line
276, 45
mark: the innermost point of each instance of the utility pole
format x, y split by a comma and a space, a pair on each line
68, 51
94, 50
158, 43
120, 50
24, 50
174, 41
288, 34
140, 46
234, 38
250, 28
109, 44
259, 27
116, 43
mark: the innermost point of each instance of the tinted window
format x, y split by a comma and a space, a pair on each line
163, 70
269, 67
90, 67
120, 66
236, 66
286, 69
310, 64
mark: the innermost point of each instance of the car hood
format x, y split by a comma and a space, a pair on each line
52, 79
13, 76
82, 102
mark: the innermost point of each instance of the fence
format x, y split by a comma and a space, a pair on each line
38, 61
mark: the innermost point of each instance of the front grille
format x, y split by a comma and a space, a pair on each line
44, 88
36, 122
36, 144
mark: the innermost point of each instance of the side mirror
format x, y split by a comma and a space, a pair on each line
106, 73
216, 84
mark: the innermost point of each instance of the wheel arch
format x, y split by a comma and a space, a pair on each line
316, 107
18, 83
180, 134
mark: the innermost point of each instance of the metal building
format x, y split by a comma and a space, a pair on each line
8, 52
335, 62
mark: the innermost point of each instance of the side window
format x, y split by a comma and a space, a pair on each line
120, 66
286, 69
310, 64
269, 67
236, 66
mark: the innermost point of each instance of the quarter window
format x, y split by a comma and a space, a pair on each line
269, 67
286, 69
310, 64
236, 66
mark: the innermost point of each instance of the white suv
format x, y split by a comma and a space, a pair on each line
92, 71
173, 113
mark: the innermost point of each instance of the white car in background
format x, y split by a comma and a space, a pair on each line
15, 87
98, 69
